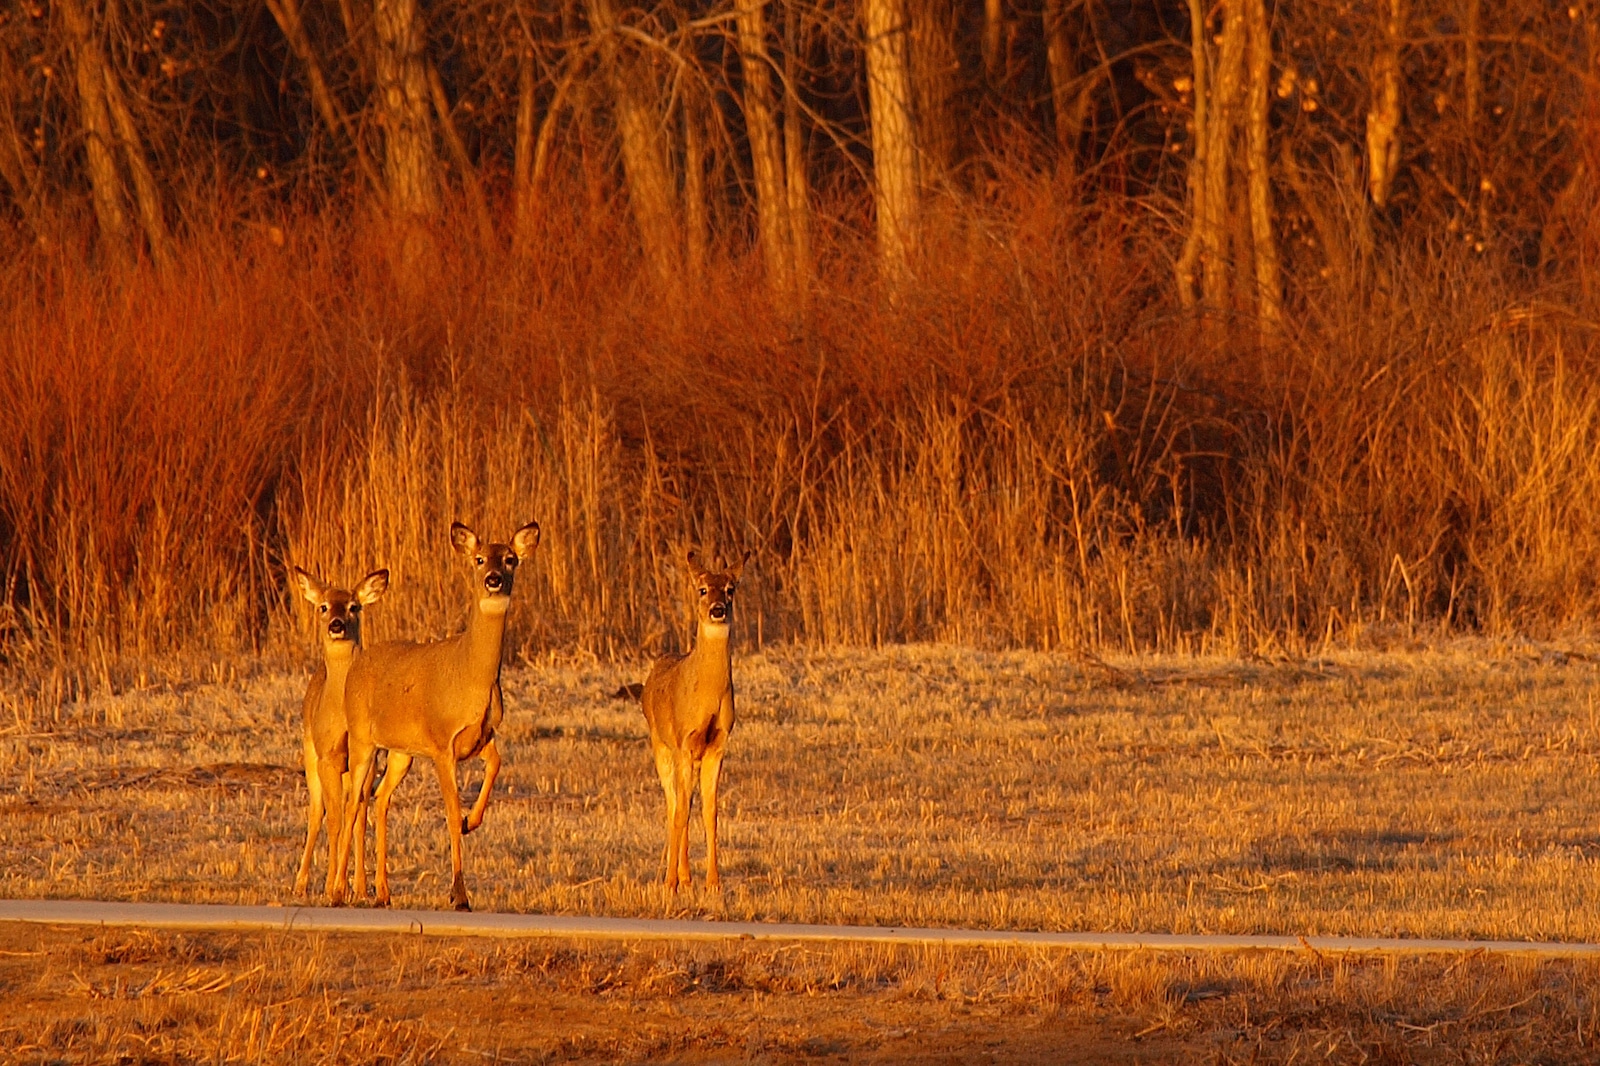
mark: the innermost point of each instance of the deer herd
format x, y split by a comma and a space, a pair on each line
442, 700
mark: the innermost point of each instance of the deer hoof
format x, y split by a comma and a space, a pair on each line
467, 826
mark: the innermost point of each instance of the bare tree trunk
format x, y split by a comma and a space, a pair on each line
522, 157
105, 184
894, 146
794, 144
1221, 120
147, 197
1472, 72
1070, 92
934, 68
1383, 114
1188, 265
287, 15
470, 184
1269, 281
993, 26
766, 154
696, 216
645, 160
404, 109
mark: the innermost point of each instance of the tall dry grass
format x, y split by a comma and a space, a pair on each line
1030, 447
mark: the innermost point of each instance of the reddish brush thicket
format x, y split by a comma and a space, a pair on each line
1029, 445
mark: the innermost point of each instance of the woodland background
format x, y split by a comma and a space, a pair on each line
1135, 324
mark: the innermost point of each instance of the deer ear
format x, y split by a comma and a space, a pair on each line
696, 571
311, 586
737, 569
526, 539
373, 586
463, 539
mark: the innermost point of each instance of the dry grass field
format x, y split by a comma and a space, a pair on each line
123, 997
1447, 791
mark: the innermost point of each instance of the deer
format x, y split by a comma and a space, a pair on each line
324, 736
440, 700
688, 706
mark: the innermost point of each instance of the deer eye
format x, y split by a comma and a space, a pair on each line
323, 608
729, 590
355, 608
480, 560
511, 560
703, 590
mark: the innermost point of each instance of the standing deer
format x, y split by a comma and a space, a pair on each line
688, 704
325, 737
440, 700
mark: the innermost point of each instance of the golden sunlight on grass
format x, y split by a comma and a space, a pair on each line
75, 996
1447, 792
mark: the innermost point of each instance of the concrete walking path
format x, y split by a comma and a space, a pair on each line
217, 917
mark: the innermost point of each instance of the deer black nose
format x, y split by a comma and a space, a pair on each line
336, 627
719, 611
493, 581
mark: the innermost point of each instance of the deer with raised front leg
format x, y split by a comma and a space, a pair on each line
688, 705
324, 737
439, 700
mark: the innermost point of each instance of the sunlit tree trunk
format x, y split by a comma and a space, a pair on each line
146, 195
794, 147
1221, 123
1269, 283
766, 153
894, 146
18, 168
94, 118
1383, 113
645, 160
935, 66
1188, 265
696, 212
523, 150
404, 108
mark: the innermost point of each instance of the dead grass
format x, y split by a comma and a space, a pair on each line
118, 996
1443, 793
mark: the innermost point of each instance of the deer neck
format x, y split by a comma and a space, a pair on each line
478, 649
711, 661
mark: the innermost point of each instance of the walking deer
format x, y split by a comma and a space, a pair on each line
324, 736
688, 705
439, 700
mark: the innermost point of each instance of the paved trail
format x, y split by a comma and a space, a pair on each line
206, 916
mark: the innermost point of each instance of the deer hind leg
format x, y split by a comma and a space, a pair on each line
361, 765
302, 879
393, 774
683, 784
491, 770
710, 772
445, 764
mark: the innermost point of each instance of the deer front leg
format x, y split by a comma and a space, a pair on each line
710, 772
445, 764
491, 770
302, 879
330, 782
683, 784
393, 774
668, 776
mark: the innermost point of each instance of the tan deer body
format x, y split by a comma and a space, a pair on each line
440, 700
324, 736
688, 705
